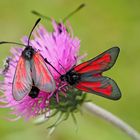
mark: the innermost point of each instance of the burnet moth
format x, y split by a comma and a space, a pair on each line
88, 75
32, 74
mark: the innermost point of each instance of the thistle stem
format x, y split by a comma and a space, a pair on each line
106, 115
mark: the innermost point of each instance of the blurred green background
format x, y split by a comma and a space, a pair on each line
100, 25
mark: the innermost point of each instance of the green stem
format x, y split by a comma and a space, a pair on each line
106, 115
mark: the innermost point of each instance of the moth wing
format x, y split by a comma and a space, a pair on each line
22, 82
101, 85
100, 63
41, 76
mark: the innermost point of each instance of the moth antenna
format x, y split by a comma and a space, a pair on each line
52, 66
73, 12
64, 19
40, 15
6, 42
38, 20
62, 67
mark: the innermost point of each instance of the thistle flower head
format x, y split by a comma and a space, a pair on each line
62, 50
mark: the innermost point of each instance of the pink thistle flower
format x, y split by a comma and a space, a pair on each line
61, 49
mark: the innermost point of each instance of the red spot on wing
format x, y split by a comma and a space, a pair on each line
20, 67
80, 66
79, 86
92, 65
107, 90
19, 85
95, 87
